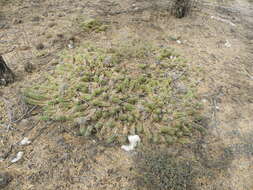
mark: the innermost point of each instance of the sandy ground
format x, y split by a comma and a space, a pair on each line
58, 159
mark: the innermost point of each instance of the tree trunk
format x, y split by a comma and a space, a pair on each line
181, 8
6, 75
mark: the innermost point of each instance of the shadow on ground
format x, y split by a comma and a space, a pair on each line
190, 167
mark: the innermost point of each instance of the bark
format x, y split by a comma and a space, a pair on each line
6, 74
181, 8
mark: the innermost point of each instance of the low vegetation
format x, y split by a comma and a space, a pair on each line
160, 170
91, 25
133, 88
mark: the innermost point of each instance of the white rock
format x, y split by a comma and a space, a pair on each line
227, 44
179, 42
18, 157
133, 142
71, 44
25, 141
204, 100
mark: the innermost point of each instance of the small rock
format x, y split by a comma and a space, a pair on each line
182, 89
3, 82
63, 88
81, 121
18, 157
71, 45
108, 61
227, 44
3, 26
36, 19
204, 101
45, 14
4, 180
28, 67
61, 15
179, 42
16, 21
72, 38
24, 123
60, 36
52, 24
174, 38
61, 142
25, 141
40, 46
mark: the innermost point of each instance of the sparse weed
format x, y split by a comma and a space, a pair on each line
93, 25
160, 170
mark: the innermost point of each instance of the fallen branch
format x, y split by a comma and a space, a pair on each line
25, 114
223, 20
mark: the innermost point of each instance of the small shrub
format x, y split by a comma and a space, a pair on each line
93, 25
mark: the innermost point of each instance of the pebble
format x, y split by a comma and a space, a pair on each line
71, 44
179, 42
40, 46
45, 14
36, 19
182, 89
24, 123
25, 141
108, 61
228, 44
16, 21
204, 101
63, 88
81, 121
28, 67
52, 24
3, 26
61, 15
18, 157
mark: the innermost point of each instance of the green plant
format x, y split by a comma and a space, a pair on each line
123, 98
91, 25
